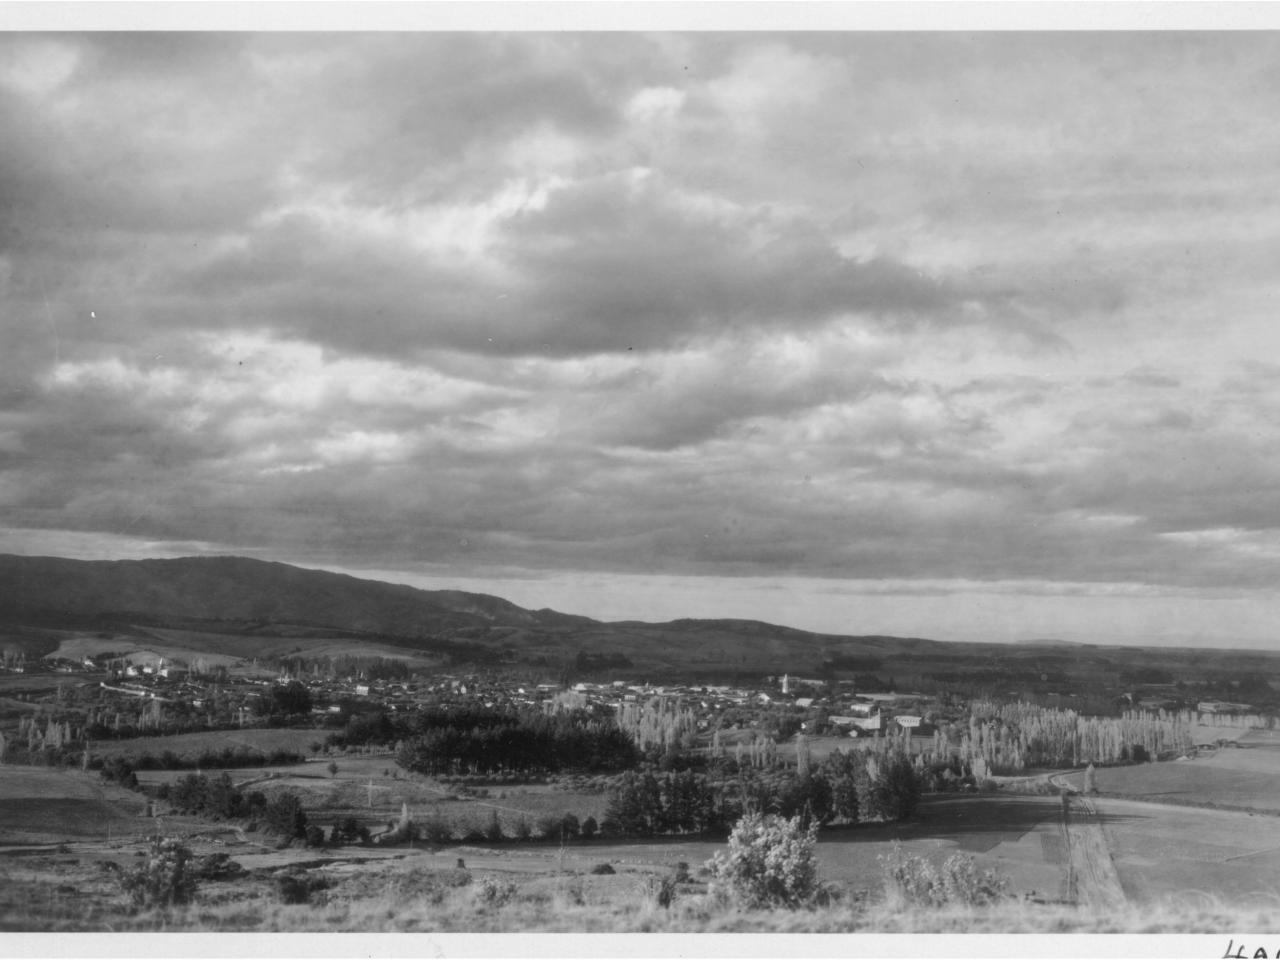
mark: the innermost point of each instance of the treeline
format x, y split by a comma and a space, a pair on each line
382, 728
523, 744
587, 663
1008, 738
343, 665
217, 798
860, 663
847, 787
224, 759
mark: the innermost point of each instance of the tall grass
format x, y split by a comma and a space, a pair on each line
571, 905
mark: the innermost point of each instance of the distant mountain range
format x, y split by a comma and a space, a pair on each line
225, 600
237, 596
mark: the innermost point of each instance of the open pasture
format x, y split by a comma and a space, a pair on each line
41, 683
1205, 735
42, 805
1003, 834
364, 790
1191, 854
229, 650
1247, 777
242, 647
79, 646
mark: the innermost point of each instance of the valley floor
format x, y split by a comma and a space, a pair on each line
1115, 865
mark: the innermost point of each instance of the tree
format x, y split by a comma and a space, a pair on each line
844, 770
291, 698
1090, 779
284, 815
802, 756
895, 792
769, 862
333, 768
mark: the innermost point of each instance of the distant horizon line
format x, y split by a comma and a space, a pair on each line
431, 583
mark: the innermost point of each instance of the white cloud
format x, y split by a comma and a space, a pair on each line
847, 305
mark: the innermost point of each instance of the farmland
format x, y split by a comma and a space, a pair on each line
1161, 855
1233, 777
398, 755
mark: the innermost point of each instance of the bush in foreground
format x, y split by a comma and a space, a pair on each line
912, 881
770, 862
164, 879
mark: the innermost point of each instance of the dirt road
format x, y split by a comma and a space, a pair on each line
1092, 878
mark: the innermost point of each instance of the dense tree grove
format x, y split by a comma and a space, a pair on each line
217, 798
842, 788
661, 722
1010, 737
521, 744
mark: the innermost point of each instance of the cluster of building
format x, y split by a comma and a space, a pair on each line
221, 694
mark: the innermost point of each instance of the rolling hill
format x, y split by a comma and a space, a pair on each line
225, 600
240, 597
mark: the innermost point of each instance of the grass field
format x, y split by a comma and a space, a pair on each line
231, 650
1197, 854
245, 647
39, 805
1161, 855
1231, 777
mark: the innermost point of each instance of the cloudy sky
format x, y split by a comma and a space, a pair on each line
957, 335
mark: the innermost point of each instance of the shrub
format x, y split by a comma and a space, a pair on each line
914, 881
349, 830
494, 893
284, 815
216, 866
663, 890
436, 831
298, 889
589, 828
603, 869
164, 879
770, 862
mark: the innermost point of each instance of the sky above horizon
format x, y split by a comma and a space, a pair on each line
969, 336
